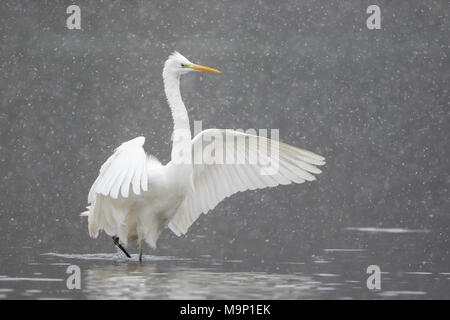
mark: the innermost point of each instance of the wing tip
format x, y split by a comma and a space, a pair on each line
138, 141
175, 229
84, 214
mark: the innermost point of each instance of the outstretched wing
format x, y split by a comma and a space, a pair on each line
126, 168
214, 182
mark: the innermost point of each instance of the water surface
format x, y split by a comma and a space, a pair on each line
331, 273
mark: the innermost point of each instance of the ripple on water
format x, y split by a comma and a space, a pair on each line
419, 273
30, 279
112, 257
387, 230
344, 250
392, 294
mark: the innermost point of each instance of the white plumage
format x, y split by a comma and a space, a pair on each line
135, 197
215, 182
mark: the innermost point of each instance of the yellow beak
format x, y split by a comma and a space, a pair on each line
197, 67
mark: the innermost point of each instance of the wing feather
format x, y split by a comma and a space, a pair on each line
214, 182
126, 167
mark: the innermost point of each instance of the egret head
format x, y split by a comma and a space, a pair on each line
178, 65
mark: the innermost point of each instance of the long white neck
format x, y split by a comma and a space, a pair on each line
181, 129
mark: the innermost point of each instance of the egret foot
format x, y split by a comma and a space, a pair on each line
117, 243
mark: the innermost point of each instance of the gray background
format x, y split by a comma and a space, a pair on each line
374, 103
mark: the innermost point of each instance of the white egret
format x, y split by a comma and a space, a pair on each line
135, 197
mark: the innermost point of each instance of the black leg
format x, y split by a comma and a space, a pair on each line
140, 250
117, 243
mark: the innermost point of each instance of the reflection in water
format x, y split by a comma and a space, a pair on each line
330, 273
134, 281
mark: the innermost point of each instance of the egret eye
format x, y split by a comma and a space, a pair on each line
183, 65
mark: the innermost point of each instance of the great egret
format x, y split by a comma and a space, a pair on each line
135, 197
